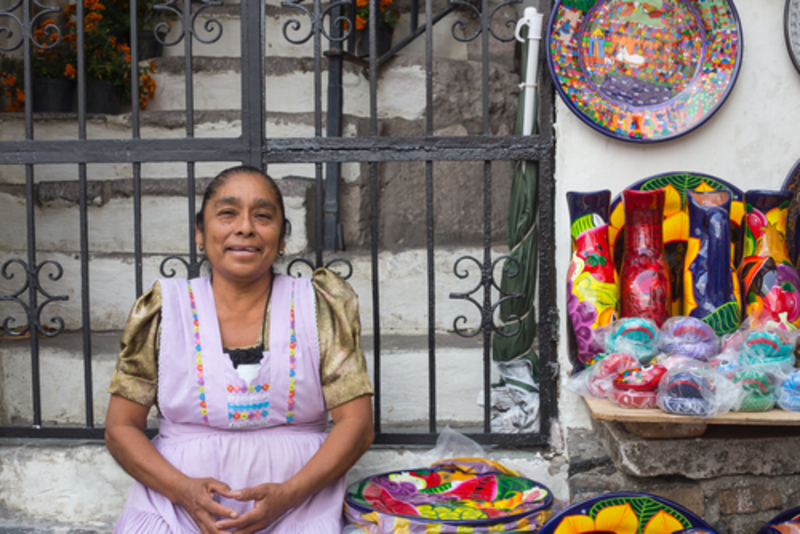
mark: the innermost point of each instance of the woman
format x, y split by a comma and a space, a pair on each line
241, 445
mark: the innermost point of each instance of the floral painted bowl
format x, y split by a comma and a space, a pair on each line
623, 513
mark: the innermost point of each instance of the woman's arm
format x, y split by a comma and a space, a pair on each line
128, 444
350, 437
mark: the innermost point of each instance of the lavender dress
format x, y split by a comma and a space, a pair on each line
215, 424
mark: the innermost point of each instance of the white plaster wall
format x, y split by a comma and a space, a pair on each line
751, 142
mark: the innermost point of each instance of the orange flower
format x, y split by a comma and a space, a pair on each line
385, 3
93, 17
362, 3
70, 71
152, 66
70, 10
361, 23
11, 80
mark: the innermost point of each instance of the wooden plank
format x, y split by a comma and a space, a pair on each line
603, 410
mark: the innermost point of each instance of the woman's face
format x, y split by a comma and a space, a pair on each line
242, 228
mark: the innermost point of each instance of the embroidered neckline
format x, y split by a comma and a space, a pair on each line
292, 350
201, 383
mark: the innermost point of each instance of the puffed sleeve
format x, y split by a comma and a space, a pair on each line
343, 368
136, 375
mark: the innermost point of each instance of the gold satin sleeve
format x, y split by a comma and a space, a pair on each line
343, 368
136, 373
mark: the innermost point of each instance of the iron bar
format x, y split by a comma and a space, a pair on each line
137, 166
429, 207
30, 216
319, 237
253, 86
487, 227
333, 170
279, 150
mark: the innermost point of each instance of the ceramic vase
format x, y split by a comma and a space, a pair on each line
710, 281
592, 282
644, 276
770, 284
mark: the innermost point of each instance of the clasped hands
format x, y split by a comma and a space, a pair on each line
196, 496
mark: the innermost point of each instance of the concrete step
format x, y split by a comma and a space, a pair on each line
404, 380
279, 19
403, 287
86, 490
162, 125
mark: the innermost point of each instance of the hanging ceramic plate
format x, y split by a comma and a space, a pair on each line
676, 220
647, 70
791, 28
792, 183
631, 512
783, 523
455, 494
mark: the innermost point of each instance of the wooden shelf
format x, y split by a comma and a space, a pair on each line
654, 423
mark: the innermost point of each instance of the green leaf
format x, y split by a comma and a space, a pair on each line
595, 259
725, 319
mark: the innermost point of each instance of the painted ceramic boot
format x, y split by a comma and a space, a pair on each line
644, 277
592, 282
770, 284
710, 282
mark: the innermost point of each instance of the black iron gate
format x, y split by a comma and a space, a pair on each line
253, 147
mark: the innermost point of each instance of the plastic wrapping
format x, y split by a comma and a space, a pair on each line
636, 387
789, 392
596, 381
633, 335
758, 390
690, 337
700, 391
770, 351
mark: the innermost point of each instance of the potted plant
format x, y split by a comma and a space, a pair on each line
11, 86
53, 64
108, 62
117, 14
388, 17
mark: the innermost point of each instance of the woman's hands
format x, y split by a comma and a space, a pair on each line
127, 442
271, 501
196, 496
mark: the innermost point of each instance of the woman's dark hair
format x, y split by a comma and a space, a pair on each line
220, 179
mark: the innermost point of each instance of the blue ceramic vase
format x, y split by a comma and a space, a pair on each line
710, 282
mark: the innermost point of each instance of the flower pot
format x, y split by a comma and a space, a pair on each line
147, 45
53, 95
385, 32
103, 97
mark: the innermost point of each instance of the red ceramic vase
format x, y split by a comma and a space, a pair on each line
644, 277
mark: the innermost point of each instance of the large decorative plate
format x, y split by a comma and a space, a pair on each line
626, 512
791, 28
792, 183
787, 522
461, 492
644, 71
676, 220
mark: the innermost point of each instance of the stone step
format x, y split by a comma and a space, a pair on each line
86, 489
404, 380
403, 287
278, 25
161, 125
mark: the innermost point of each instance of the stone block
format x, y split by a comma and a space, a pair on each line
749, 499
687, 495
723, 450
585, 451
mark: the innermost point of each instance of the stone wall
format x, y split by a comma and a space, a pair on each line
736, 478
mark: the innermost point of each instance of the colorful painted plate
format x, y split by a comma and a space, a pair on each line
451, 494
791, 29
789, 516
792, 183
644, 71
676, 220
638, 512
